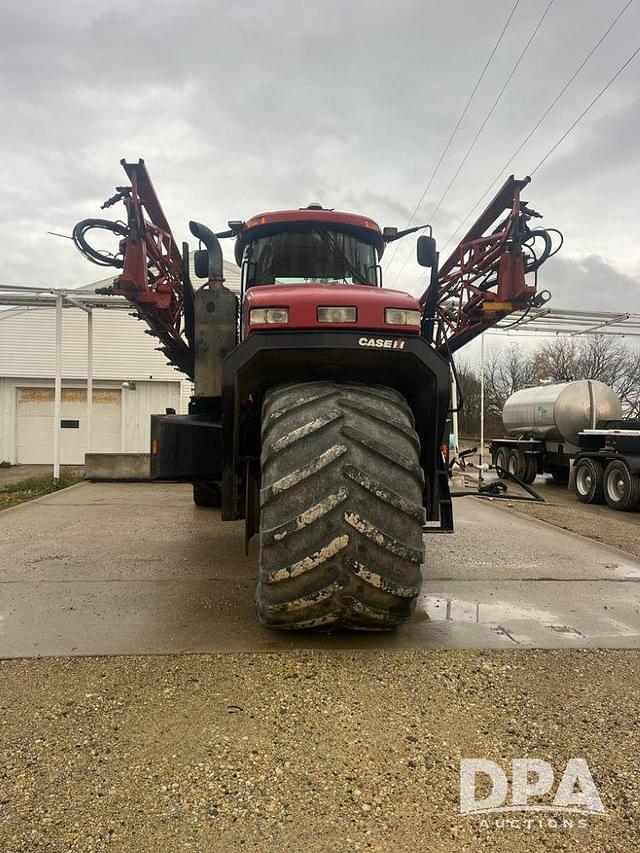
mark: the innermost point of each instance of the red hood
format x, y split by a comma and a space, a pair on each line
302, 300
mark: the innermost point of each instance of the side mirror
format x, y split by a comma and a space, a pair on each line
201, 263
375, 272
426, 251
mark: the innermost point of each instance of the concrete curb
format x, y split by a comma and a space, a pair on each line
117, 467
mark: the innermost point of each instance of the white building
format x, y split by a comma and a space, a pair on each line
131, 381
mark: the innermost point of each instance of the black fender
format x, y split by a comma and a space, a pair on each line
404, 362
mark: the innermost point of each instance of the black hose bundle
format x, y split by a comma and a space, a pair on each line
498, 489
101, 258
537, 258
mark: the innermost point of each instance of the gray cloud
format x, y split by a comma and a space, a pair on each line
249, 106
591, 284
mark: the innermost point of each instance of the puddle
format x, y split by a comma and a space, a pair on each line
500, 616
447, 609
624, 570
565, 629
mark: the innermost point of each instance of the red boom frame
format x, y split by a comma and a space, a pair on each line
465, 306
152, 274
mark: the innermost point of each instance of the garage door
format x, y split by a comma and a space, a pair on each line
35, 424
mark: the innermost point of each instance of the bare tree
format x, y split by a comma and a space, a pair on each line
615, 362
506, 371
556, 360
469, 416
610, 359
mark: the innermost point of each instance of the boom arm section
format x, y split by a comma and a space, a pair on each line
153, 277
480, 283
483, 280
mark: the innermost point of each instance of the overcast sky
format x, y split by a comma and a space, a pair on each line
239, 107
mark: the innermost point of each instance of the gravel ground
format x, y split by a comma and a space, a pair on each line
563, 509
616, 532
313, 751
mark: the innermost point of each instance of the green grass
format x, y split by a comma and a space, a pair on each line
33, 487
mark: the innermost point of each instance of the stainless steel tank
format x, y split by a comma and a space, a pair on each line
560, 412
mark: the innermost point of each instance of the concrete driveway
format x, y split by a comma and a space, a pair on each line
104, 569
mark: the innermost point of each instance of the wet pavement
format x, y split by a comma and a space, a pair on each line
136, 568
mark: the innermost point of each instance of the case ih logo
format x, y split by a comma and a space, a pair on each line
382, 343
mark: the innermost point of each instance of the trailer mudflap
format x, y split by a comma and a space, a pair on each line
186, 448
444, 524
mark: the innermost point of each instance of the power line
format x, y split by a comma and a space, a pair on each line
457, 125
581, 116
493, 106
586, 110
492, 109
541, 119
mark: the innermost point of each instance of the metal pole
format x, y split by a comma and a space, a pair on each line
57, 394
123, 419
481, 453
454, 417
89, 378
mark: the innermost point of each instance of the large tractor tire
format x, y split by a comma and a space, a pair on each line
341, 512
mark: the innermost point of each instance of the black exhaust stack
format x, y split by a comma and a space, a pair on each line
215, 322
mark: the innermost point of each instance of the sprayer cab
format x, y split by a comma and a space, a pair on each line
318, 269
310, 245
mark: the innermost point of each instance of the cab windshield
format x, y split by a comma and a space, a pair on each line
308, 256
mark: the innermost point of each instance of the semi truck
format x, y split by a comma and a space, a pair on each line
320, 397
575, 432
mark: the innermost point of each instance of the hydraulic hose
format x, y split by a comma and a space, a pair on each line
101, 258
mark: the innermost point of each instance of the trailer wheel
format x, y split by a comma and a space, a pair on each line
502, 457
207, 494
530, 468
517, 463
341, 507
621, 487
589, 481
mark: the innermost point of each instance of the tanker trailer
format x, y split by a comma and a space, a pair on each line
544, 426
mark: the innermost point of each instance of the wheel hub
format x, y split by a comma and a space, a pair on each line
616, 487
584, 481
